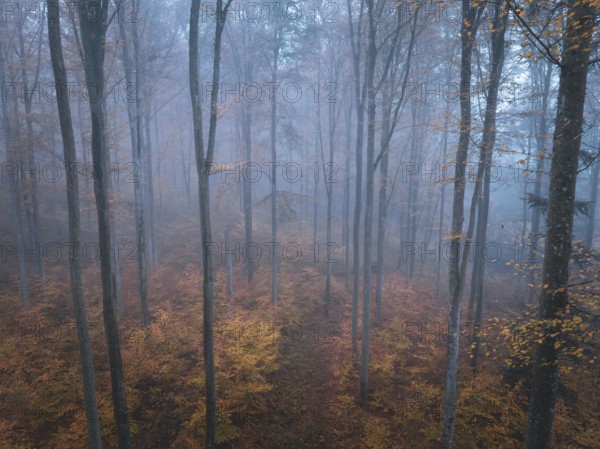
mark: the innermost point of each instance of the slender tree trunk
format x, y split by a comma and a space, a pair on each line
93, 29
370, 169
12, 163
413, 192
563, 178
442, 206
229, 263
542, 154
135, 129
589, 232
70, 161
148, 175
360, 96
383, 175
247, 133
274, 260
487, 149
470, 19
347, 198
203, 163
30, 191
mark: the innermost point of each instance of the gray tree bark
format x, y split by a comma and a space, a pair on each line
470, 21
70, 161
487, 149
135, 129
93, 23
574, 68
203, 163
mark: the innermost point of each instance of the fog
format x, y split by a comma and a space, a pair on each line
322, 224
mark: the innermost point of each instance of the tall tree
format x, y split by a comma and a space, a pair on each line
471, 15
574, 66
203, 166
70, 162
360, 93
542, 75
30, 196
371, 55
488, 141
274, 67
93, 24
245, 66
134, 114
9, 110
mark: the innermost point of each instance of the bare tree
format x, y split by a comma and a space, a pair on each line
93, 23
134, 114
70, 161
203, 166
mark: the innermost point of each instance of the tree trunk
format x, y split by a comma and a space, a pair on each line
488, 141
12, 163
247, 134
203, 163
229, 263
360, 96
413, 191
346, 238
93, 34
470, 19
274, 260
148, 175
135, 129
70, 161
442, 205
563, 179
383, 175
368, 230
542, 154
589, 232
30, 191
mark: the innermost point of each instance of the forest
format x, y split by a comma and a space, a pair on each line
329, 224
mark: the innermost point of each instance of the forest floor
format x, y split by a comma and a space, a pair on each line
286, 378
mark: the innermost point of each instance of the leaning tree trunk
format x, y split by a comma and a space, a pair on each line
70, 160
563, 178
488, 141
93, 38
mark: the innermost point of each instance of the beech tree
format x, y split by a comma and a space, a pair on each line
70, 160
471, 16
93, 24
574, 67
204, 161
